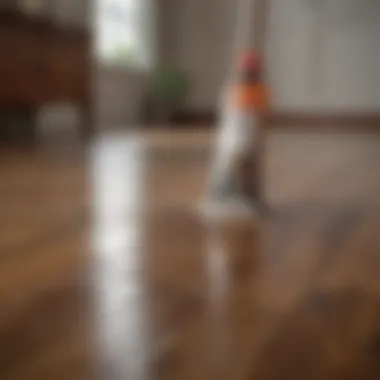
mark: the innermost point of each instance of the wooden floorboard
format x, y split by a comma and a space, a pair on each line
108, 272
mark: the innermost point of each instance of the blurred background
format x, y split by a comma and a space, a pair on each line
108, 114
157, 61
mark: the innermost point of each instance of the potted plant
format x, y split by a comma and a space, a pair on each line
169, 88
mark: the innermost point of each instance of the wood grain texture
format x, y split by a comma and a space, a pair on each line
108, 272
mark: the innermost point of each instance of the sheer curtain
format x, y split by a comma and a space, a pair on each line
125, 32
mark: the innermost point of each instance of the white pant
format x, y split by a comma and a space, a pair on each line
236, 138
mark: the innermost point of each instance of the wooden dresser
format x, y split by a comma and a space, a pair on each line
42, 64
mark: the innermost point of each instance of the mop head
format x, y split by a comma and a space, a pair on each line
228, 199
233, 207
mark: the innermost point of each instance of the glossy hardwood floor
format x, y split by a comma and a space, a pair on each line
107, 271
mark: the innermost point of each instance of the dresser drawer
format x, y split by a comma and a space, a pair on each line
39, 66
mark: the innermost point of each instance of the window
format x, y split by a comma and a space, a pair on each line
122, 32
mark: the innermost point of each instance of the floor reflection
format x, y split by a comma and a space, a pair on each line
219, 279
117, 184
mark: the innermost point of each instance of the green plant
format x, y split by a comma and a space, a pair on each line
170, 84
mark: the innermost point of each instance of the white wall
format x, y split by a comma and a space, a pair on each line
323, 55
116, 93
205, 36
117, 97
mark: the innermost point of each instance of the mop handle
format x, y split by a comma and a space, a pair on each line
244, 28
251, 30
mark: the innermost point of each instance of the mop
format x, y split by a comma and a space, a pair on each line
235, 183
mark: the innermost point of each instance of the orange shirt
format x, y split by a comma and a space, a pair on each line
251, 97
